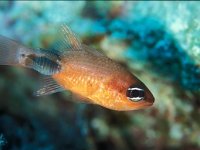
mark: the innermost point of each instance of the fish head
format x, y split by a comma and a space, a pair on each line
132, 94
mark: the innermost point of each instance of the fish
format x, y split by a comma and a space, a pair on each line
73, 66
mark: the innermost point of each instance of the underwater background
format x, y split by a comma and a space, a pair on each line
158, 41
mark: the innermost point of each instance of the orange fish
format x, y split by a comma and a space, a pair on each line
70, 65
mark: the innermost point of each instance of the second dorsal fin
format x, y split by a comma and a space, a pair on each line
66, 40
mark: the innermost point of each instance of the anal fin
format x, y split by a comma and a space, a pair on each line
80, 99
48, 86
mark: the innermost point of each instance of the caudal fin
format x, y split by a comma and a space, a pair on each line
11, 52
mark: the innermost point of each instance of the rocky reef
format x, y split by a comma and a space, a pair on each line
158, 41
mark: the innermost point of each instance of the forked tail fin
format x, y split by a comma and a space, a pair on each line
12, 53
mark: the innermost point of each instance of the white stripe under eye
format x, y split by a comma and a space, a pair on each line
136, 98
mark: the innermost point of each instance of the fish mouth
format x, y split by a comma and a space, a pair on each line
149, 104
149, 98
143, 106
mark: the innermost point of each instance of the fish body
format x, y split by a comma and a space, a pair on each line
86, 72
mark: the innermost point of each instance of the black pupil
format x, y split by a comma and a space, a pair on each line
135, 93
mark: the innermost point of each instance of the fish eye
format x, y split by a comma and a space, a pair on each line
135, 94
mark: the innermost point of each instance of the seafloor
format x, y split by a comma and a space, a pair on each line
158, 41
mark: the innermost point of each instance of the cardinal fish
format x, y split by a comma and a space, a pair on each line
70, 65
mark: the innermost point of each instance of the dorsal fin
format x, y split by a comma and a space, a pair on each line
93, 51
66, 40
